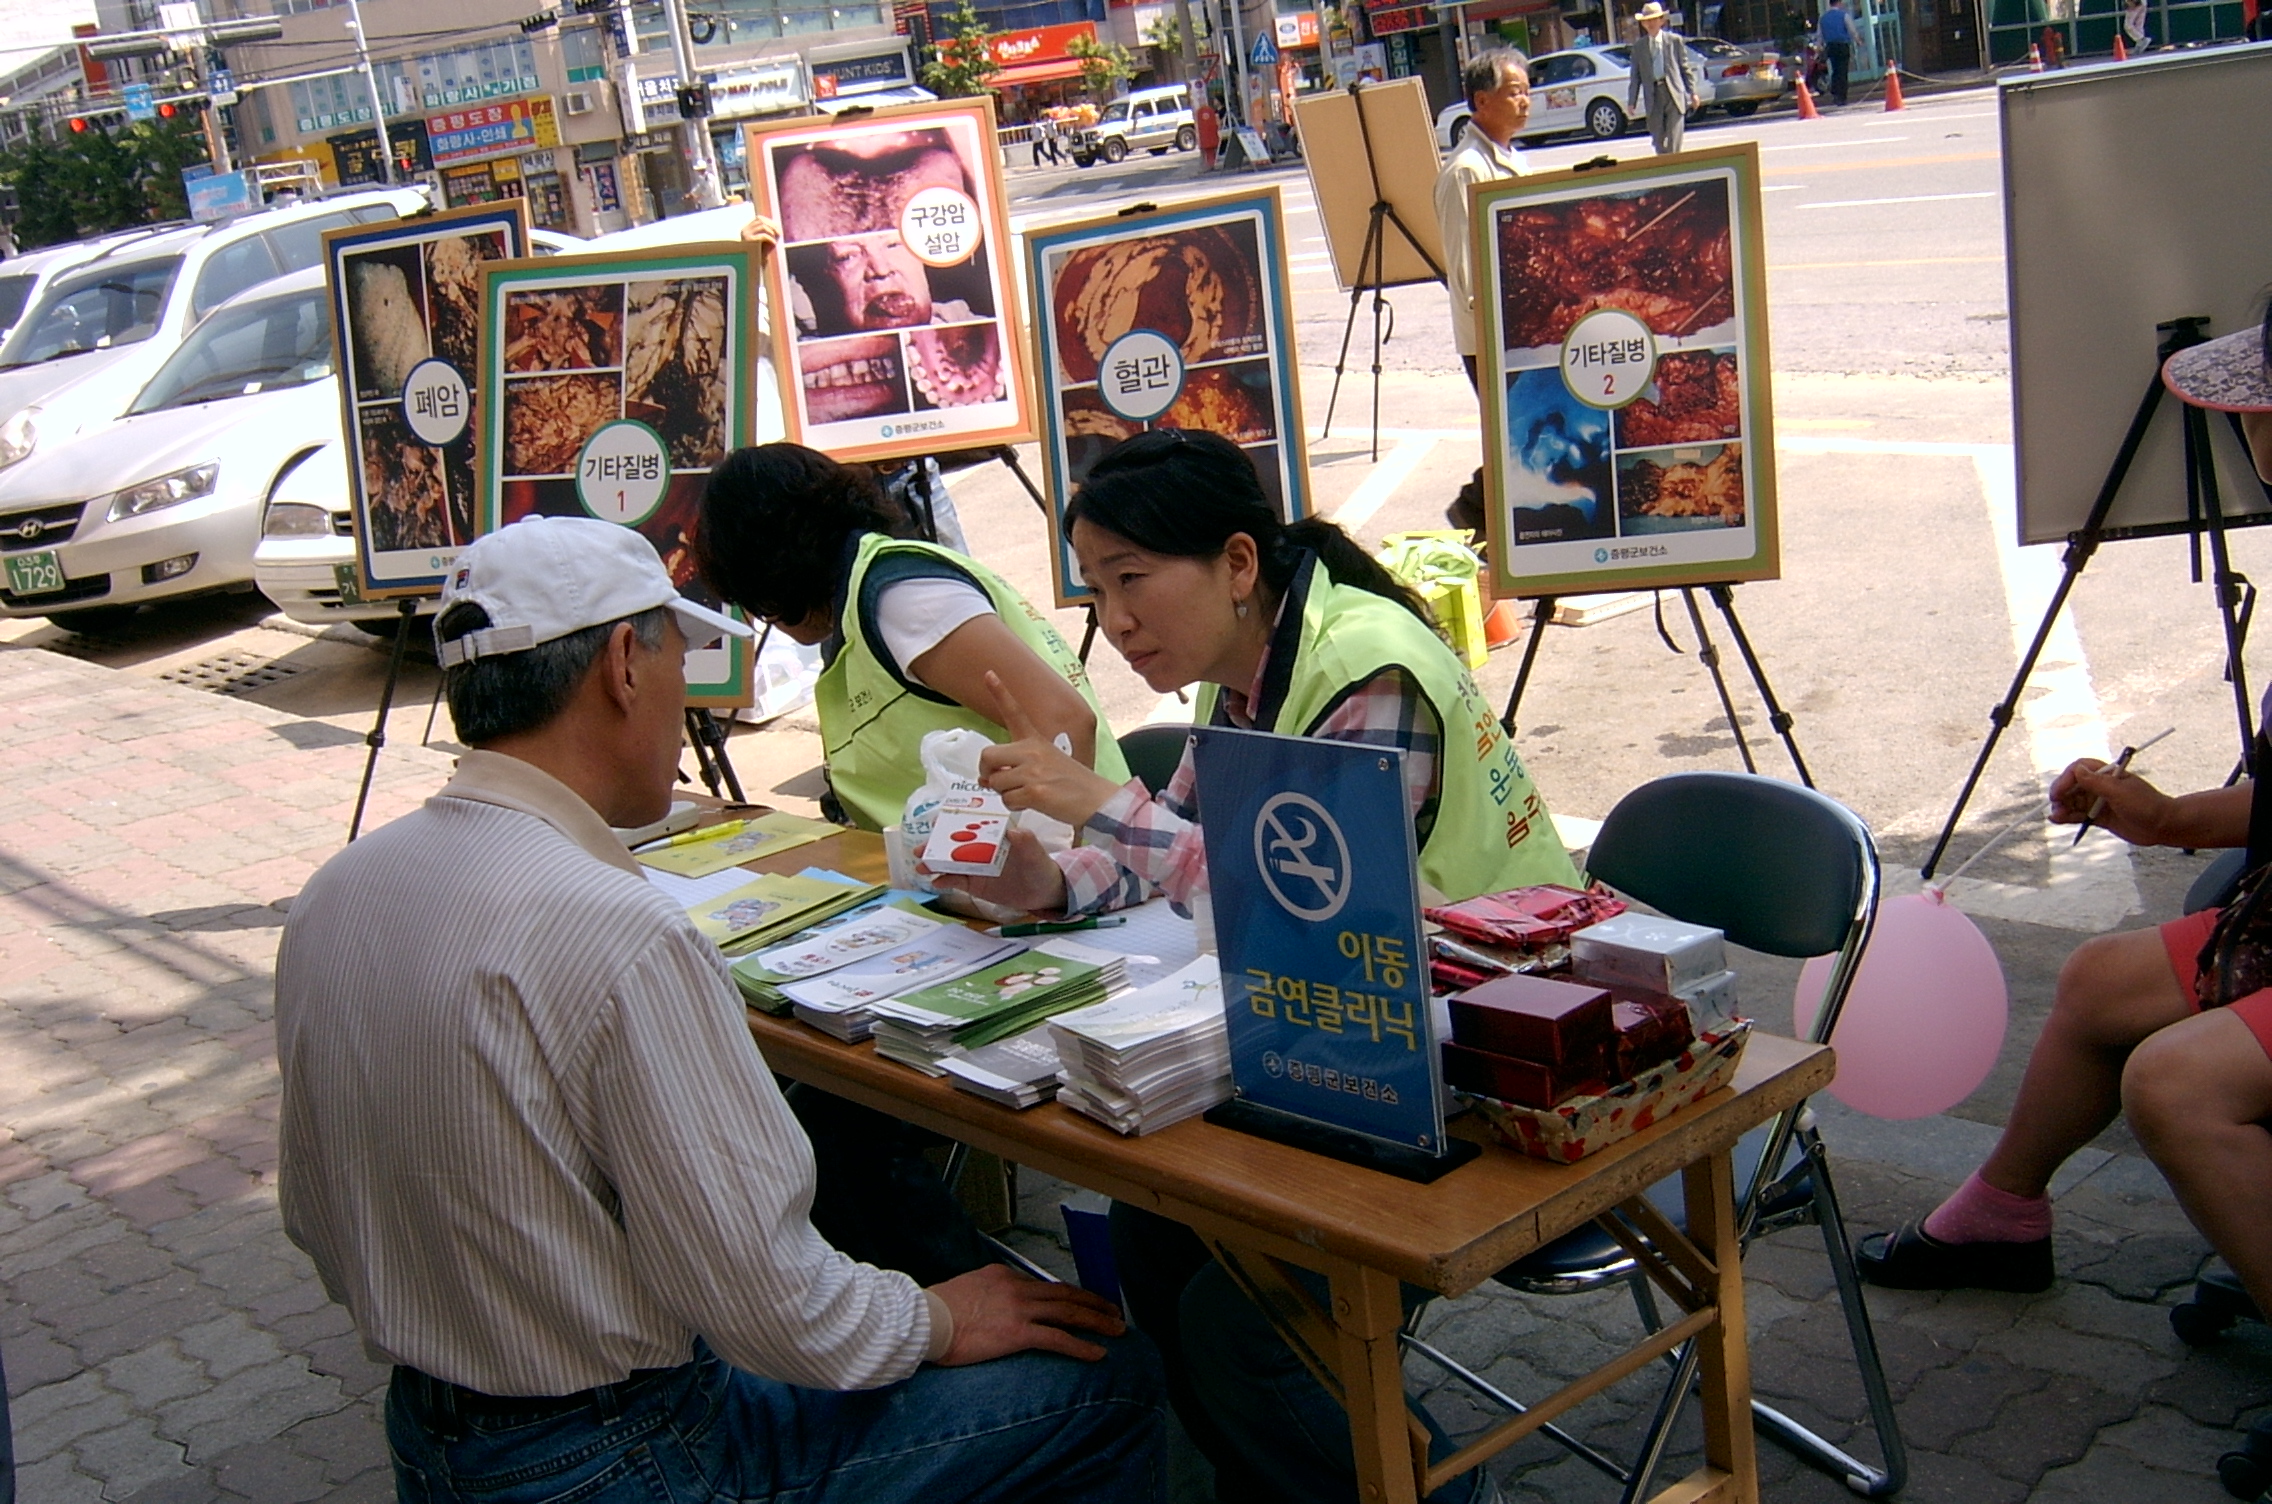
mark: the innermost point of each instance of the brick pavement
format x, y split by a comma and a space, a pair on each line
164, 1341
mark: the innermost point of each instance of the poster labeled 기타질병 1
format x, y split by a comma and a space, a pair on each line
1172, 318
1627, 436
612, 386
893, 286
406, 330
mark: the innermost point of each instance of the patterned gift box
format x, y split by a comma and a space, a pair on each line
1582, 1125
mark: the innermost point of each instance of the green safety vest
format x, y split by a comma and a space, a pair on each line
1492, 831
872, 720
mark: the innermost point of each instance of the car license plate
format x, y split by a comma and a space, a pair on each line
38, 573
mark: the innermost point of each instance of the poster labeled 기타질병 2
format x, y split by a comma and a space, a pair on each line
611, 387
1627, 435
893, 287
406, 331
1173, 318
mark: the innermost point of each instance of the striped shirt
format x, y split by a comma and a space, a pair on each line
1137, 845
527, 1138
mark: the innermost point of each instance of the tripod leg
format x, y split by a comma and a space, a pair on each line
1724, 596
1009, 457
1709, 655
1349, 325
377, 736
702, 762
1089, 636
433, 709
1380, 302
707, 724
1540, 615
2229, 586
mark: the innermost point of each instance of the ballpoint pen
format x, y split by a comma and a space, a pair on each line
2121, 764
1061, 926
718, 832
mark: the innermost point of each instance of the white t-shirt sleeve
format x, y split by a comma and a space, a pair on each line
915, 616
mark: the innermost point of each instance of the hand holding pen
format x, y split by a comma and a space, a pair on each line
2120, 765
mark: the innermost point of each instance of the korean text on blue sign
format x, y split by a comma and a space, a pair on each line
1315, 885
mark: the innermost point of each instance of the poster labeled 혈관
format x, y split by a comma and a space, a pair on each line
1627, 436
613, 385
898, 306
1173, 318
406, 331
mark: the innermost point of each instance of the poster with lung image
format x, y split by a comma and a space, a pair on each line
1172, 318
406, 333
896, 302
1628, 441
611, 386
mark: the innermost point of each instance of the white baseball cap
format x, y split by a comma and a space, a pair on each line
544, 577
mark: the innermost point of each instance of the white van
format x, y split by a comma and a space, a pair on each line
1150, 119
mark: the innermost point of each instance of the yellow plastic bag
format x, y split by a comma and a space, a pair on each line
1442, 569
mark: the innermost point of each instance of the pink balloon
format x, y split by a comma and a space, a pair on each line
1925, 1020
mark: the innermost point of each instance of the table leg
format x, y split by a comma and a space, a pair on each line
1730, 1448
1367, 1315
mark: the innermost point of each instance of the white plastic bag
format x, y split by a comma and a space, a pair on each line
950, 767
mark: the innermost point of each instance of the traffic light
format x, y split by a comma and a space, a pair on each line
166, 110
694, 101
78, 126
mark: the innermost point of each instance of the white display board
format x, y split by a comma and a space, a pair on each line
2132, 196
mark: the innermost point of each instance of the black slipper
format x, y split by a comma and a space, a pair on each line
1913, 1259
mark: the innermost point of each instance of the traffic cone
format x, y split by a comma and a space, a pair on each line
1503, 625
1893, 99
2121, 53
1807, 111
2034, 58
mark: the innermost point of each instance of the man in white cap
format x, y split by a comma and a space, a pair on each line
1659, 83
2170, 1026
529, 1144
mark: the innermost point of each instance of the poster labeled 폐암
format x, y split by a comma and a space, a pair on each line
1173, 318
612, 386
1627, 435
898, 306
406, 332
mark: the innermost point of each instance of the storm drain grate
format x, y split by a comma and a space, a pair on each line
231, 673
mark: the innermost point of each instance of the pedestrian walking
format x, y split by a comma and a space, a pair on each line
1838, 41
1659, 85
1497, 84
2134, 25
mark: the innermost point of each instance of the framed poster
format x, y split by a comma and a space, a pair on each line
1173, 318
900, 334
611, 386
1627, 436
406, 334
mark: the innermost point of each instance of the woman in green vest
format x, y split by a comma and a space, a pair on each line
914, 631
1286, 628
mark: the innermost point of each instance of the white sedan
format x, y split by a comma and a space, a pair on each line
1578, 92
166, 501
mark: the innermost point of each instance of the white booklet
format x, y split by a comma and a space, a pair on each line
886, 929
947, 952
1187, 1003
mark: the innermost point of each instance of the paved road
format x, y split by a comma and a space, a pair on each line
160, 1335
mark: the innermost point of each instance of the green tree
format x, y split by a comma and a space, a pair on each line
965, 57
1104, 65
1167, 35
88, 182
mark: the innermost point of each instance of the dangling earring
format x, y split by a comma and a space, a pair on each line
1241, 610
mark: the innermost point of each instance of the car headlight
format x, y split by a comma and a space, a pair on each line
165, 491
18, 435
296, 519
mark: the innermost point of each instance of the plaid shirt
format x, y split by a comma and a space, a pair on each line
1138, 845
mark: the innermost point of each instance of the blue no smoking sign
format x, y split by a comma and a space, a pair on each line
1316, 895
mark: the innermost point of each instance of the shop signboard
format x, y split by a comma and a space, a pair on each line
611, 386
765, 87
864, 72
901, 330
1040, 44
1316, 893
1401, 18
486, 130
1628, 443
1179, 317
1297, 29
217, 195
406, 319
355, 154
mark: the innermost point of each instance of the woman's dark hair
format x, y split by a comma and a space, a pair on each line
771, 534
1188, 493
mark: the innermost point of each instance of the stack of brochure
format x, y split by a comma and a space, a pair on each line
843, 1003
834, 943
773, 907
924, 1027
1019, 1072
1154, 1057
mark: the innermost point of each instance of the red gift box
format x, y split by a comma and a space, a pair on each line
1510, 1079
1650, 1031
1552, 1023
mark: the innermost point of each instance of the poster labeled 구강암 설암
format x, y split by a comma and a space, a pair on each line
898, 305
1174, 318
406, 323
1628, 441
612, 386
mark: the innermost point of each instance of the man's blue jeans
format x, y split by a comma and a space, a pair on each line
1035, 1426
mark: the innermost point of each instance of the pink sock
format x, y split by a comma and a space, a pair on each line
1979, 1213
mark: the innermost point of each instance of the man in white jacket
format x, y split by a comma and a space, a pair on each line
1498, 101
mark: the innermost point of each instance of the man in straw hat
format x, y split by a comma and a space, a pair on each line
2169, 1026
1659, 83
